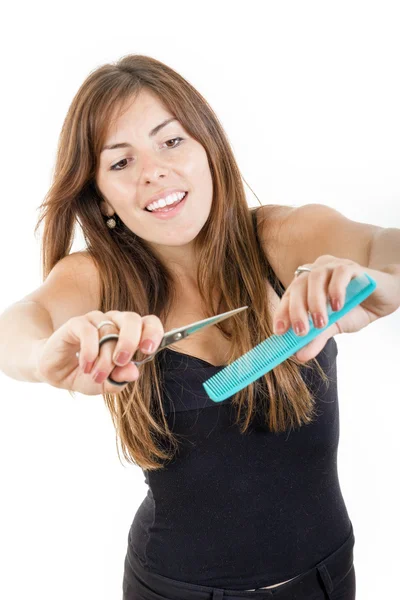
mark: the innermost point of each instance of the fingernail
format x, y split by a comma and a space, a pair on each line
147, 346
318, 320
336, 304
121, 358
88, 367
100, 376
299, 328
280, 326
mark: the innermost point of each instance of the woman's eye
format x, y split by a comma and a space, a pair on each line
174, 140
115, 167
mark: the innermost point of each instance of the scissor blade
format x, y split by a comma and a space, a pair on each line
182, 332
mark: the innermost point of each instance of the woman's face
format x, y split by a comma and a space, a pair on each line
128, 177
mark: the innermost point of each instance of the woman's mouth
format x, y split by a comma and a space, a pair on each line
169, 211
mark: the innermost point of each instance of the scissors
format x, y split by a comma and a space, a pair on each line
172, 336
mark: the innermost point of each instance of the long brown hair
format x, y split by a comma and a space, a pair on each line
133, 279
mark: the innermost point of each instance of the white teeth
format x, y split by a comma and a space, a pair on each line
171, 199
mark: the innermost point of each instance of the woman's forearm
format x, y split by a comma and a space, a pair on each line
24, 326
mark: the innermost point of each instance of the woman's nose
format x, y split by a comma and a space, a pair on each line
151, 167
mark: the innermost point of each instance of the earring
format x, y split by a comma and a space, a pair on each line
111, 223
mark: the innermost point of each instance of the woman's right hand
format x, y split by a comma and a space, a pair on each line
58, 365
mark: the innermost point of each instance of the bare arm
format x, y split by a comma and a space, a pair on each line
23, 327
71, 289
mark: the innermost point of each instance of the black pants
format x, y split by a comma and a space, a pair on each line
333, 579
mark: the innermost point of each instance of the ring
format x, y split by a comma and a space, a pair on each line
111, 336
105, 323
302, 270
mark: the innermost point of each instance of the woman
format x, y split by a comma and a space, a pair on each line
244, 499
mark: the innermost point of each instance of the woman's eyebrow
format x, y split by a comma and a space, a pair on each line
152, 133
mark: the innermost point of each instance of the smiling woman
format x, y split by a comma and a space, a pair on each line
243, 494
148, 133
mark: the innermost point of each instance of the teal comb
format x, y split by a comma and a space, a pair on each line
277, 348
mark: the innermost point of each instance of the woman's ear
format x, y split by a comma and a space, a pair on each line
106, 210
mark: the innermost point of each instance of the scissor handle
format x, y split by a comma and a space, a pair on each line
115, 336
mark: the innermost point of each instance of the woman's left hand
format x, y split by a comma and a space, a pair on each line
327, 282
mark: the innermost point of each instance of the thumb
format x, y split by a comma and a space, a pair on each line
314, 347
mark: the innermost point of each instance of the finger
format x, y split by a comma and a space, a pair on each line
130, 325
318, 282
103, 363
146, 334
298, 304
282, 315
126, 374
340, 279
313, 348
152, 334
98, 360
122, 377
87, 335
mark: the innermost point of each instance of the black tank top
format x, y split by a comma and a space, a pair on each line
234, 510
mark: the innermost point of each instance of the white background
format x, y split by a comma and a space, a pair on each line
308, 93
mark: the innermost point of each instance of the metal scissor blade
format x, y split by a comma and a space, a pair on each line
174, 335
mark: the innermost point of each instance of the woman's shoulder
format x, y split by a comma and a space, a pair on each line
83, 266
70, 289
